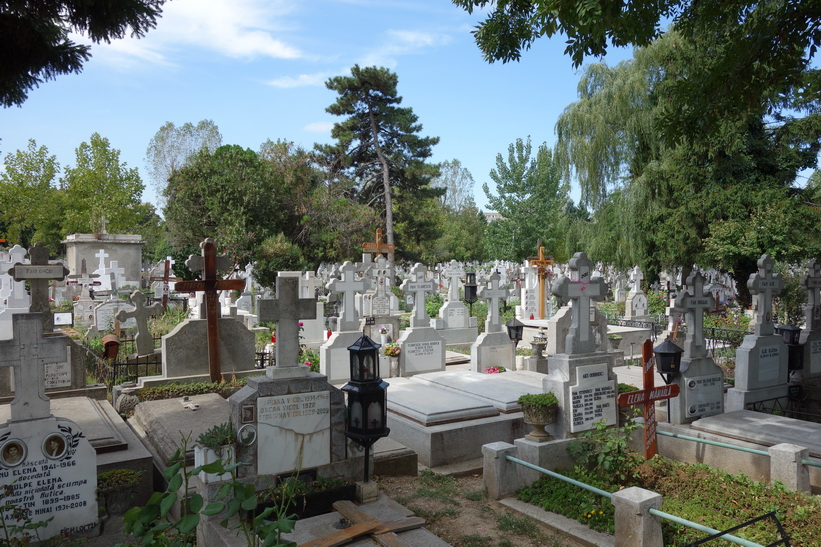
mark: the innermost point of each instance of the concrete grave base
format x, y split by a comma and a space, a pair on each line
492, 349
458, 337
739, 399
334, 357
701, 391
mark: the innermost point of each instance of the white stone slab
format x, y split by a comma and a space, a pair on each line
493, 388
294, 432
593, 398
429, 404
765, 429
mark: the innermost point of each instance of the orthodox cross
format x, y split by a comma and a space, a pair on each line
637, 279
647, 397
493, 294
143, 340
15, 294
692, 302
419, 286
208, 264
812, 282
348, 287
581, 289
377, 246
27, 352
287, 309
84, 279
763, 284
165, 278
38, 273
542, 264
454, 272
102, 255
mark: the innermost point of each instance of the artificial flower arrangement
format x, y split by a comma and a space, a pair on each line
383, 330
495, 370
392, 350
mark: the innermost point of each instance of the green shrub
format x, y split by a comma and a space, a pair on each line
537, 400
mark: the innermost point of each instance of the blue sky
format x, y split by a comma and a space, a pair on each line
257, 69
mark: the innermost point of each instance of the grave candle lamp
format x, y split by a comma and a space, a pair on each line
668, 360
367, 397
471, 294
790, 334
515, 329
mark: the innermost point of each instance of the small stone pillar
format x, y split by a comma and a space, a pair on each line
500, 475
635, 526
786, 466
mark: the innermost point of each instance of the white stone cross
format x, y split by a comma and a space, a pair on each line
812, 283
27, 352
308, 284
38, 273
382, 273
287, 309
764, 284
16, 296
581, 289
455, 271
102, 255
419, 287
493, 295
638, 277
364, 267
348, 286
693, 303
143, 340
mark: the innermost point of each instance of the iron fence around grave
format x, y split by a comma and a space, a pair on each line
113, 372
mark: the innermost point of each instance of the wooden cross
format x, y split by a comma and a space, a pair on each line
647, 397
812, 283
493, 294
287, 309
763, 284
348, 286
419, 287
542, 264
166, 278
692, 302
581, 289
383, 533
208, 264
39, 272
141, 313
377, 246
84, 279
27, 352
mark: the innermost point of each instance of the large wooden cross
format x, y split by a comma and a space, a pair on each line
377, 246
166, 277
493, 294
141, 313
208, 264
419, 286
362, 524
581, 289
764, 284
542, 264
287, 309
692, 302
812, 283
27, 352
647, 397
348, 286
39, 272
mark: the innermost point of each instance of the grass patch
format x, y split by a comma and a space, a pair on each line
519, 525
474, 540
477, 495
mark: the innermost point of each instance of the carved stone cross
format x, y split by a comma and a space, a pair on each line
27, 352
287, 309
141, 313
812, 283
348, 287
692, 302
581, 289
102, 255
637, 279
763, 285
419, 286
454, 272
38, 273
208, 263
493, 294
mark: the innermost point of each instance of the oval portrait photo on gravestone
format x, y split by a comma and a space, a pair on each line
54, 446
13, 453
247, 435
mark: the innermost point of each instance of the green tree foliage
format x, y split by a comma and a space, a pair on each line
31, 209
463, 235
99, 187
379, 149
35, 44
171, 148
458, 184
531, 197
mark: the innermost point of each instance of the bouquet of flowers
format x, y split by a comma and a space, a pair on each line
392, 350
495, 370
383, 330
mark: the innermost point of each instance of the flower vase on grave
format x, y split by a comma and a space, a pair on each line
204, 455
539, 410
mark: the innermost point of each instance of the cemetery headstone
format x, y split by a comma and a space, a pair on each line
287, 309
635, 306
422, 348
38, 273
454, 322
13, 298
141, 313
811, 335
333, 354
493, 347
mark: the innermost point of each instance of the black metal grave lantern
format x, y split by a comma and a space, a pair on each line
471, 294
668, 360
791, 334
367, 397
515, 330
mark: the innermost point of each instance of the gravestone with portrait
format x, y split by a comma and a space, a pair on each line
422, 348
493, 348
48, 461
700, 381
454, 322
582, 377
761, 359
809, 375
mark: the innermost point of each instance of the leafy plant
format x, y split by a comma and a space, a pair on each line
118, 479
605, 450
537, 400
173, 391
11, 513
218, 436
626, 388
309, 357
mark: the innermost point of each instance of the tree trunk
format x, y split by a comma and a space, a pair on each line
386, 185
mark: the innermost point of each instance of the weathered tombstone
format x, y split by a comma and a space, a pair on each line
761, 360
454, 322
165, 280
84, 306
493, 347
48, 461
809, 376
287, 309
635, 306
38, 273
141, 313
105, 315
14, 297
701, 381
581, 378
422, 347
333, 354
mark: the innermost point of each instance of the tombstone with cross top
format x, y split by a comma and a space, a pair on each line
635, 305
287, 309
493, 347
422, 348
582, 291
141, 313
761, 372
333, 354
811, 335
454, 321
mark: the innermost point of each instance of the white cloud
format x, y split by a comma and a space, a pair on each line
319, 127
403, 42
303, 80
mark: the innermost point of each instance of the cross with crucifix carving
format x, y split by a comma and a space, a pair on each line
812, 283
27, 352
647, 397
348, 286
419, 287
542, 264
38, 273
764, 284
287, 309
493, 294
692, 302
166, 278
581, 289
143, 340
208, 264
